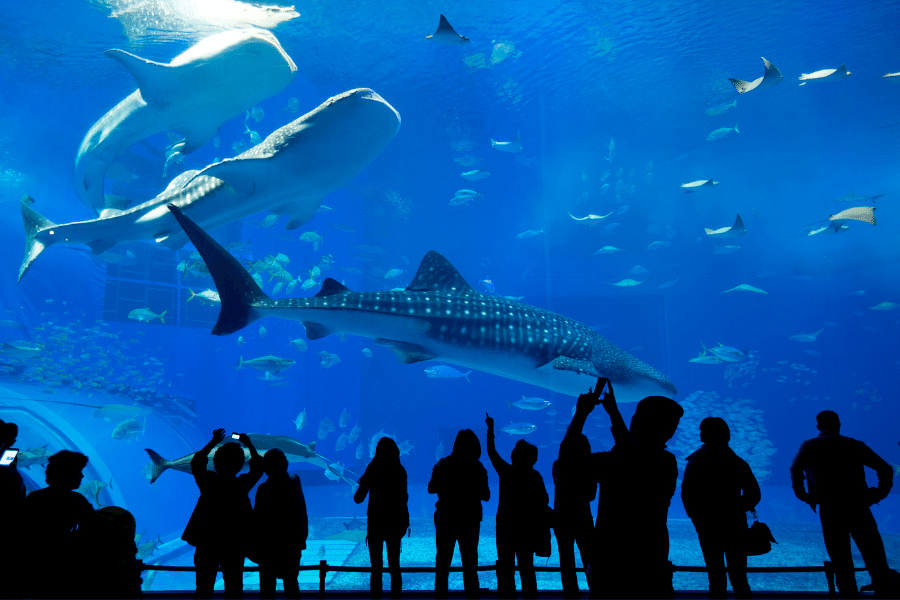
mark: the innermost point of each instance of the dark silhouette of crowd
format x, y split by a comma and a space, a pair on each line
624, 550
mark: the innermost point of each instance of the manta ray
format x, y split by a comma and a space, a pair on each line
288, 173
214, 80
734, 231
439, 316
771, 77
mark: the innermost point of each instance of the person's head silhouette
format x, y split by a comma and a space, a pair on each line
387, 451
655, 420
574, 448
828, 421
466, 446
714, 431
524, 454
8, 434
275, 463
229, 459
64, 470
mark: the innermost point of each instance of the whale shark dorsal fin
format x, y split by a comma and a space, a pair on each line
150, 76
196, 134
436, 274
330, 287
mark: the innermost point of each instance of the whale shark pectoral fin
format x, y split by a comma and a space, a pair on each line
298, 213
406, 352
151, 76
196, 134
315, 331
576, 365
101, 246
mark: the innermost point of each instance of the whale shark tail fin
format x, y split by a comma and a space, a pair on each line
237, 290
34, 223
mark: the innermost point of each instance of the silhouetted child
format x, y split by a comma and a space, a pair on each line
833, 466
520, 511
111, 548
461, 484
385, 483
220, 525
56, 517
282, 526
637, 481
572, 520
12, 499
717, 490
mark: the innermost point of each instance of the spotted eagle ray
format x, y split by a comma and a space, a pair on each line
446, 34
288, 173
770, 78
439, 316
733, 231
214, 80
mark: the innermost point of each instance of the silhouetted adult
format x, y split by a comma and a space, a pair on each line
220, 525
281, 527
717, 490
461, 484
572, 496
56, 516
637, 481
385, 483
833, 467
12, 499
520, 505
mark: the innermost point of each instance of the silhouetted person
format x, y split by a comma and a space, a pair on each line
572, 496
834, 469
282, 526
521, 502
109, 542
56, 517
637, 481
717, 490
12, 499
219, 528
385, 483
461, 484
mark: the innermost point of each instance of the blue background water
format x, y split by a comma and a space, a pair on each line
569, 76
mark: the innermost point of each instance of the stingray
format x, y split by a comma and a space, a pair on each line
288, 173
733, 231
446, 34
826, 75
771, 77
214, 80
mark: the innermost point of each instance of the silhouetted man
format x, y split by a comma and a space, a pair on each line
833, 467
12, 499
637, 481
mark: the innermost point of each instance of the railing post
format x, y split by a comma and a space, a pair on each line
829, 575
323, 570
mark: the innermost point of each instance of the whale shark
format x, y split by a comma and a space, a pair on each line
439, 316
214, 80
289, 173
770, 78
733, 231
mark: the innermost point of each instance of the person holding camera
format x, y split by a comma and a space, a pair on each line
12, 499
220, 526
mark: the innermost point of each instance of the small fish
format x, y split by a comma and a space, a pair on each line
293, 105
367, 353
659, 245
722, 132
344, 418
262, 332
255, 138
604, 188
313, 238
519, 428
360, 451
807, 337
745, 288
858, 199
445, 372
301, 421
721, 109
394, 273
884, 306
727, 353
405, 447
513, 146
529, 403
240, 340
488, 285
128, 430
627, 283
608, 250
299, 344
256, 113
341, 442
268, 363
622, 209
695, 185
328, 359
321, 552
145, 315
475, 175
705, 359
529, 234
725, 249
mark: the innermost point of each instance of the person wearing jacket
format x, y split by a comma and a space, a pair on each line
717, 490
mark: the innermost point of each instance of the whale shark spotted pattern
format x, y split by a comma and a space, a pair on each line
439, 315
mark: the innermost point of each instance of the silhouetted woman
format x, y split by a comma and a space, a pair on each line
385, 483
523, 498
461, 484
573, 493
717, 490
282, 526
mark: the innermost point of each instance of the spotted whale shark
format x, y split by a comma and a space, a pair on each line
289, 173
439, 316
214, 80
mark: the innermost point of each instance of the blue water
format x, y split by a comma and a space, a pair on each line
570, 77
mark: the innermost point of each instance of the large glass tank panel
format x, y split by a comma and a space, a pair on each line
606, 163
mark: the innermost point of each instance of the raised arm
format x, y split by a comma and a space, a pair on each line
201, 458
617, 424
255, 462
496, 460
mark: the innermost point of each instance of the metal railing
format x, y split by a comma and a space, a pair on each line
324, 568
